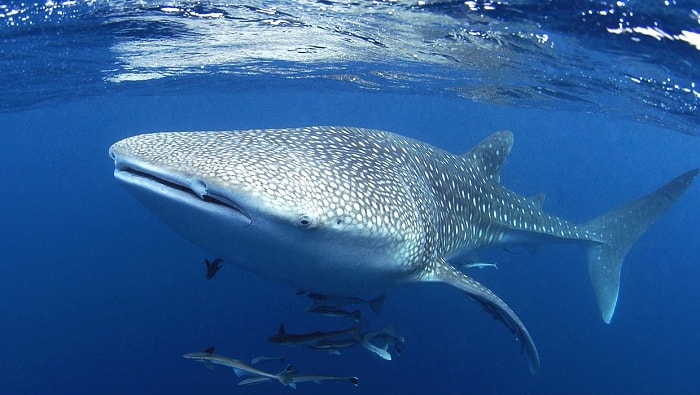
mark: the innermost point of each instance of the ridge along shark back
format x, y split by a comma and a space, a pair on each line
353, 212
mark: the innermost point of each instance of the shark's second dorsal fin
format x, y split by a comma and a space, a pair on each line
490, 154
538, 199
208, 364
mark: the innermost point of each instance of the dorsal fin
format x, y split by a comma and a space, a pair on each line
209, 350
281, 331
490, 154
538, 199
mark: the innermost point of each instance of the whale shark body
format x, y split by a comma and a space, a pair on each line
352, 212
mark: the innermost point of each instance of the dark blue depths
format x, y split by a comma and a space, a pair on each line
96, 295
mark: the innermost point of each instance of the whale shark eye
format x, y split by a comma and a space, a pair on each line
304, 221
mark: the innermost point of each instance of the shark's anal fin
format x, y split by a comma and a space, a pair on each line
619, 229
444, 272
538, 199
239, 372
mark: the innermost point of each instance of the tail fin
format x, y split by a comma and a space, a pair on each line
619, 230
381, 352
286, 377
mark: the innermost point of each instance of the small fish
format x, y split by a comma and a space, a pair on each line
239, 367
301, 379
333, 346
388, 334
264, 358
480, 265
333, 311
340, 301
259, 379
318, 379
213, 267
381, 352
289, 339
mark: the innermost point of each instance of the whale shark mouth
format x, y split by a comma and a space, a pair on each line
189, 191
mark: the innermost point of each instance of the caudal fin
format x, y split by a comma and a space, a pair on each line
619, 230
286, 377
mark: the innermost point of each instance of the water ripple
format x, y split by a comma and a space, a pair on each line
638, 60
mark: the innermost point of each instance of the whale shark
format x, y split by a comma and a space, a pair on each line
353, 212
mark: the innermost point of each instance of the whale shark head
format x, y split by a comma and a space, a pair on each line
272, 199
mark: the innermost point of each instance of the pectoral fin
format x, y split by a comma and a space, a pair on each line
445, 273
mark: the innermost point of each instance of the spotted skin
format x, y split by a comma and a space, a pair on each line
349, 211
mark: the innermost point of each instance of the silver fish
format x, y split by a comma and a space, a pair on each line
264, 358
333, 311
320, 300
301, 379
388, 334
480, 265
292, 339
333, 346
239, 367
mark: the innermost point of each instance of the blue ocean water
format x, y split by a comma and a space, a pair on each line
98, 296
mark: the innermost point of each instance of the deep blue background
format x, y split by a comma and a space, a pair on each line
97, 296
